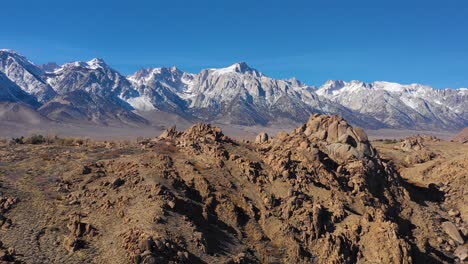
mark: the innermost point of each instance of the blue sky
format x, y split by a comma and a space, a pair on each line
402, 41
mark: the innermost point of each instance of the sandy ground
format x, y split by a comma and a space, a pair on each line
8, 130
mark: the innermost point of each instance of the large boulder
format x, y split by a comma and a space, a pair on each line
262, 138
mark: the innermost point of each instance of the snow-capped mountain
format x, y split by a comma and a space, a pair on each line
161, 88
12, 93
90, 91
238, 94
94, 76
25, 74
402, 106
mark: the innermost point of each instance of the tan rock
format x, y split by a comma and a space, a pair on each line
461, 252
261, 138
452, 231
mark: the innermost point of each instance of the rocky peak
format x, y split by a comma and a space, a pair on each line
205, 131
240, 68
97, 62
198, 133
8, 51
141, 74
341, 140
334, 84
25, 74
170, 133
262, 138
172, 75
295, 82
49, 67
93, 64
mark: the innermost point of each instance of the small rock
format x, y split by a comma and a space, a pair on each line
452, 231
181, 255
453, 212
117, 183
461, 252
11, 251
159, 245
171, 204
146, 245
451, 242
150, 260
86, 170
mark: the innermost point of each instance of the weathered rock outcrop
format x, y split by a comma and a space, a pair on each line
318, 194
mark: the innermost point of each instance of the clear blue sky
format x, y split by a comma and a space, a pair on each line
402, 41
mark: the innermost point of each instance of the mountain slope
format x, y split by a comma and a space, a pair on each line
80, 106
462, 136
17, 107
91, 92
94, 76
26, 75
160, 88
10, 92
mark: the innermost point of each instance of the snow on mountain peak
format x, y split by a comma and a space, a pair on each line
331, 87
96, 63
92, 64
17, 56
9, 51
240, 67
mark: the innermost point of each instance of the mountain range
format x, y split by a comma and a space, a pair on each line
95, 93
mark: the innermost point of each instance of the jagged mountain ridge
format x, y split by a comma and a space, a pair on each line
236, 94
94, 76
402, 106
239, 94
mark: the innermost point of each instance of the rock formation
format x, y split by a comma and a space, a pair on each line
319, 194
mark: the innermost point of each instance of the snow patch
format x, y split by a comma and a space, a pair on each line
409, 102
142, 103
227, 70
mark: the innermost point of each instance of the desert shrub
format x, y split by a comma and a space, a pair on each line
35, 139
18, 140
67, 141
51, 138
78, 141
